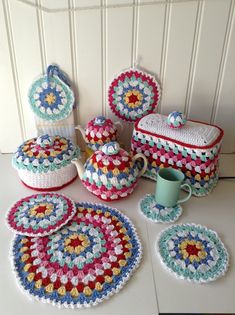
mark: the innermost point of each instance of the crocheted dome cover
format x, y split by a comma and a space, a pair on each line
45, 154
110, 176
50, 97
100, 131
85, 262
192, 252
40, 214
157, 213
133, 94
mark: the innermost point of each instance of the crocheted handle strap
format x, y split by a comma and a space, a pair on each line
55, 70
142, 156
189, 193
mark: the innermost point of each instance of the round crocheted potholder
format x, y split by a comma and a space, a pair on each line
84, 263
157, 213
50, 96
40, 214
133, 94
192, 252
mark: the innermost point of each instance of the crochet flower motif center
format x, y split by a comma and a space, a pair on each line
50, 98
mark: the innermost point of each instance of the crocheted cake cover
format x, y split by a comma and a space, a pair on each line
133, 94
44, 154
85, 262
192, 252
157, 213
40, 214
50, 96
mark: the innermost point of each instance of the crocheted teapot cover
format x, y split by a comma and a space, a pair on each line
45, 154
157, 213
50, 96
40, 214
85, 262
97, 134
133, 94
192, 252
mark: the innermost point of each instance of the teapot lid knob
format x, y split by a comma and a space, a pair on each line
111, 148
99, 120
45, 141
176, 120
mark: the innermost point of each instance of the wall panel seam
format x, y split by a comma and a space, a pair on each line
103, 57
41, 36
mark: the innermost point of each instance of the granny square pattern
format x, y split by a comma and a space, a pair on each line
192, 252
157, 213
50, 96
40, 214
84, 263
133, 94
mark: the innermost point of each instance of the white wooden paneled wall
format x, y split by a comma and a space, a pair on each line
188, 44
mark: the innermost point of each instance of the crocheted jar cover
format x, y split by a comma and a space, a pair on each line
50, 98
45, 154
40, 214
157, 213
110, 177
99, 134
192, 252
85, 262
133, 94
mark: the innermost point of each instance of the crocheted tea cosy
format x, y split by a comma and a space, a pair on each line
84, 263
45, 153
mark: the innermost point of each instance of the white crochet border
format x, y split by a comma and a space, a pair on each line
98, 300
159, 221
46, 233
222, 273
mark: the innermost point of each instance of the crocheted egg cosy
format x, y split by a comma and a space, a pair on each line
176, 120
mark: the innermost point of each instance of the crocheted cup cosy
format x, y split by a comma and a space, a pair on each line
44, 163
111, 173
99, 130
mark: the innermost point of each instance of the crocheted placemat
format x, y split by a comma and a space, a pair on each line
85, 262
157, 213
133, 94
40, 214
192, 252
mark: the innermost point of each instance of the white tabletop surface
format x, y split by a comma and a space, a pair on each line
151, 289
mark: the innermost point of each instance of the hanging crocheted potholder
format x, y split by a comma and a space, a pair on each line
157, 213
133, 94
192, 252
50, 96
40, 214
84, 263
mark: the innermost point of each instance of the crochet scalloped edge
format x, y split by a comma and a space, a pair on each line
152, 77
60, 116
176, 275
98, 300
158, 221
46, 233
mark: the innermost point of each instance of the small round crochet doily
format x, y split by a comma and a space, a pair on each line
40, 214
192, 252
157, 213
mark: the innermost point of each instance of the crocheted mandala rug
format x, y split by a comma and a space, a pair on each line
40, 214
192, 252
85, 262
157, 213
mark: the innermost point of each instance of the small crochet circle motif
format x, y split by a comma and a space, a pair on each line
50, 98
157, 213
133, 94
192, 252
84, 263
40, 214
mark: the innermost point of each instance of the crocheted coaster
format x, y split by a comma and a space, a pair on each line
85, 262
158, 213
133, 94
40, 214
192, 252
50, 96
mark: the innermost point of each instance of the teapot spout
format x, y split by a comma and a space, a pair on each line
79, 127
79, 166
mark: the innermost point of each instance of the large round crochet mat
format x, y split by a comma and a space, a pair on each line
85, 262
192, 252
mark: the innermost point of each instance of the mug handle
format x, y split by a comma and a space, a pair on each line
142, 156
189, 193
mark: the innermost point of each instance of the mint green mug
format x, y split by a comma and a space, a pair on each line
169, 183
